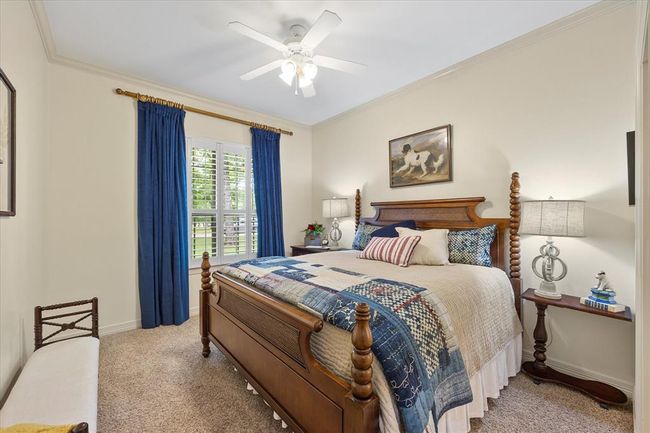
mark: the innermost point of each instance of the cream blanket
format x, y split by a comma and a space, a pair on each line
479, 301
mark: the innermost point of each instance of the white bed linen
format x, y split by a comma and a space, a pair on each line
479, 304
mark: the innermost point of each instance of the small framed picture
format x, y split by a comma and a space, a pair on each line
423, 157
7, 147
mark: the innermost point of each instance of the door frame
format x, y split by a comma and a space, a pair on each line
642, 298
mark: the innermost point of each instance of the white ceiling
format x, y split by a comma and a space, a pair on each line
187, 45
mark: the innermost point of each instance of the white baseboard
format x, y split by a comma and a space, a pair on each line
116, 328
583, 373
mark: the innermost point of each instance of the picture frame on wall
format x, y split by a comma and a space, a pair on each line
7, 147
420, 158
631, 191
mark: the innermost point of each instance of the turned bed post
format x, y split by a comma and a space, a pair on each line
204, 300
357, 209
361, 354
515, 256
362, 410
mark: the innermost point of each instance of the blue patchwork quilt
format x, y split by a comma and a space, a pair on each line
411, 338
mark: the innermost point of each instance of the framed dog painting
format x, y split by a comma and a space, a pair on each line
7, 147
423, 157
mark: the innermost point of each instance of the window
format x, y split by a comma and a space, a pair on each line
221, 204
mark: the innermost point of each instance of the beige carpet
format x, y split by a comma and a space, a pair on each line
157, 381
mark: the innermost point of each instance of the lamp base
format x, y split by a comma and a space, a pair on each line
335, 234
547, 290
549, 256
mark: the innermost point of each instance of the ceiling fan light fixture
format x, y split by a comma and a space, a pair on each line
304, 82
287, 78
299, 65
309, 70
289, 68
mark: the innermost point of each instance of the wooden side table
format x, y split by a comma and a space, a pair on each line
300, 250
540, 372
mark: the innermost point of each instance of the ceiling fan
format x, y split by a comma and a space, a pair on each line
299, 65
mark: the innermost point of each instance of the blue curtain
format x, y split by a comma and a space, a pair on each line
162, 216
268, 192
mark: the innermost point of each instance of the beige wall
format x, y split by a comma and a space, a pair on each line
22, 58
91, 243
557, 111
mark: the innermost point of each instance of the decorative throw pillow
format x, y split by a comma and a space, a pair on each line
472, 247
389, 230
362, 236
397, 251
433, 248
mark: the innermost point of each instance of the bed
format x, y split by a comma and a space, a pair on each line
301, 366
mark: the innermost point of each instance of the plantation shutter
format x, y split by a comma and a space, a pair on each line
223, 218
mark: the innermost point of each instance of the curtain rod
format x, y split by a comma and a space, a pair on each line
147, 98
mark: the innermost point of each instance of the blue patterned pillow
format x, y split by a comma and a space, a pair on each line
362, 236
471, 247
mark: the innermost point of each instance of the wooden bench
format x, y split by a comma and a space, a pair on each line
58, 384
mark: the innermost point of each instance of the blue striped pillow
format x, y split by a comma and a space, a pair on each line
397, 251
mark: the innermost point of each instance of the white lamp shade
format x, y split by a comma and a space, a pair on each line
553, 218
335, 208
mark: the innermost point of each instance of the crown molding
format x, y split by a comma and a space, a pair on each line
642, 30
43, 25
599, 9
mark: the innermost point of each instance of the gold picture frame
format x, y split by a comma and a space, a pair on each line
420, 158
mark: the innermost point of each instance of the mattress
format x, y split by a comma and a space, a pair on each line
480, 304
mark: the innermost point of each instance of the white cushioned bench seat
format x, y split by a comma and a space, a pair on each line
58, 385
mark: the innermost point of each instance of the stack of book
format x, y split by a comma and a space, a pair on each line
603, 300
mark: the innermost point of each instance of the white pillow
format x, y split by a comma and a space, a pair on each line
433, 248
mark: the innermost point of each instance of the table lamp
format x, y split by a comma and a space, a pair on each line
551, 218
335, 208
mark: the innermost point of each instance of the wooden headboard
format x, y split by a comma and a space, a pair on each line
459, 214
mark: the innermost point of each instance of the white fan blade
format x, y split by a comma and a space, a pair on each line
339, 65
262, 70
260, 37
308, 91
326, 22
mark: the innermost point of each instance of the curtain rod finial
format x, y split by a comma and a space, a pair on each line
119, 91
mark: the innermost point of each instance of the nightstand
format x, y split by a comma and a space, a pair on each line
301, 250
540, 372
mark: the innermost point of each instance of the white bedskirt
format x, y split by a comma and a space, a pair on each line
487, 382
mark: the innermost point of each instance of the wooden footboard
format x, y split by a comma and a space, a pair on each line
269, 342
